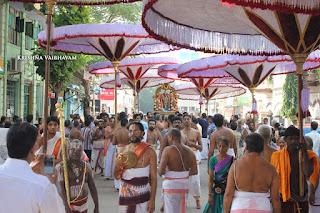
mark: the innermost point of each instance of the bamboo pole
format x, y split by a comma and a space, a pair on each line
253, 90
299, 60
135, 96
61, 117
115, 66
207, 106
50, 4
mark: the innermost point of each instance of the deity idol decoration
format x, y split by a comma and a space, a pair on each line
165, 99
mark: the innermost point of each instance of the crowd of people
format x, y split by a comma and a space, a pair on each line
252, 167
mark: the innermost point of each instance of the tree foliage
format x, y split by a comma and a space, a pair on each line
61, 71
117, 13
290, 97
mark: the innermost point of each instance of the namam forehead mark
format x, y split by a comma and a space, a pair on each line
75, 145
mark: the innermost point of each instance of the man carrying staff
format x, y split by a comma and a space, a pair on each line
137, 174
180, 162
80, 179
195, 143
54, 139
286, 163
98, 138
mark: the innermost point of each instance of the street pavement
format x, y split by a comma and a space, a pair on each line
108, 196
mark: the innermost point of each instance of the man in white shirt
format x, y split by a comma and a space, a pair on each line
315, 137
23, 190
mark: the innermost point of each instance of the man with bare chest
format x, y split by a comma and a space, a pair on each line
195, 143
152, 135
221, 131
176, 123
98, 137
265, 132
286, 163
120, 139
177, 164
80, 181
137, 174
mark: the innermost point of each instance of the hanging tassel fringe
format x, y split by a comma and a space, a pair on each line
52, 38
254, 107
118, 80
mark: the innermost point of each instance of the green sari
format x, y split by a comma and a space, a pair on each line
220, 176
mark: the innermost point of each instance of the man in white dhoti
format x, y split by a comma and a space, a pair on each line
181, 163
247, 190
120, 139
98, 156
136, 167
195, 143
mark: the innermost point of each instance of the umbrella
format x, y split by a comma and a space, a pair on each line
294, 33
216, 91
114, 41
78, 2
170, 71
204, 26
150, 79
135, 68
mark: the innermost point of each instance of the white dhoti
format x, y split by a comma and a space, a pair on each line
205, 148
110, 160
244, 202
316, 207
97, 160
175, 187
229, 152
194, 180
134, 193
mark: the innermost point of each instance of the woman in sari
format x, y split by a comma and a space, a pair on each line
218, 172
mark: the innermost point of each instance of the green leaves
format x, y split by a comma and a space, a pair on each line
290, 97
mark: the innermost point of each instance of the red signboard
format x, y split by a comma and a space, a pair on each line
106, 94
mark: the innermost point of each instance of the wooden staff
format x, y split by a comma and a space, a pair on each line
299, 60
61, 117
50, 4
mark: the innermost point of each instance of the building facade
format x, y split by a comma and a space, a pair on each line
22, 90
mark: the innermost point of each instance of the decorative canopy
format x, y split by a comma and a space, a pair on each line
312, 62
293, 33
170, 71
213, 91
249, 70
134, 68
203, 25
288, 6
114, 41
81, 2
150, 79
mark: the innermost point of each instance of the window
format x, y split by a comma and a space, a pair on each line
26, 108
14, 27
29, 34
39, 102
11, 101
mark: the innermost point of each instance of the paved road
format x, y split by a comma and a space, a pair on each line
108, 196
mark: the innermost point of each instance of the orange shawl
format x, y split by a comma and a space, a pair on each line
281, 161
139, 151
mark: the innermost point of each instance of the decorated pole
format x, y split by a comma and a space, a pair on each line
50, 4
207, 106
115, 66
61, 117
135, 96
299, 60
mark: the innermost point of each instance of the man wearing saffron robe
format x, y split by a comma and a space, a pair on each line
138, 185
177, 164
286, 163
80, 181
